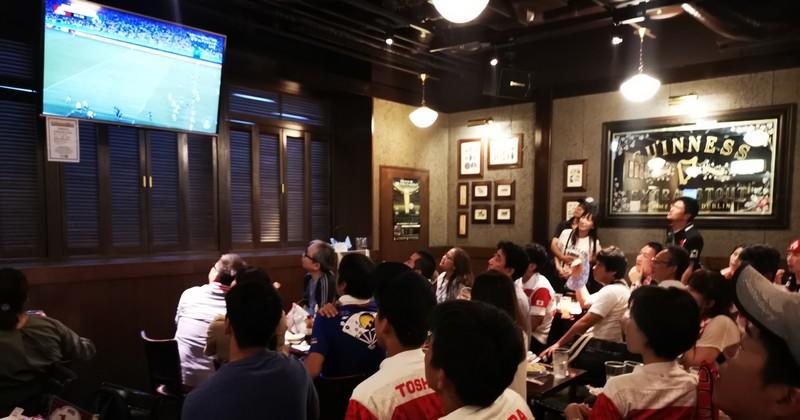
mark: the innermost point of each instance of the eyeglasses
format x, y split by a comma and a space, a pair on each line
655, 261
427, 344
305, 255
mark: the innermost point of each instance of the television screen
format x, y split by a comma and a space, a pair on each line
105, 64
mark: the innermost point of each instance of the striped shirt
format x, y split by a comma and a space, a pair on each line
654, 391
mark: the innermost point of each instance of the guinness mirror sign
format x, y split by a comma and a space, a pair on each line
734, 163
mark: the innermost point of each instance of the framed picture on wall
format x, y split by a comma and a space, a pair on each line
575, 175
470, 158
504, 189
569, 204
481, 214
505, 152
482, 190
463, 195
504, 214
462, 225
736, 164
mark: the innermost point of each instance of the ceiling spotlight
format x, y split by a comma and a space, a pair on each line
615, 40
389, 41
460, 11
493, 61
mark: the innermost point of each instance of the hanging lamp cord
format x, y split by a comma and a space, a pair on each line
642, 32
423, 76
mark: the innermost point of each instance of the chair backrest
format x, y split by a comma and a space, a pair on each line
334, 395
164, 364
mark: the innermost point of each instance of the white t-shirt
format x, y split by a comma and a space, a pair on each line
720, 333
581, 244
540, 296
672, 283
508, 406
197, 307
524, 306
610, 302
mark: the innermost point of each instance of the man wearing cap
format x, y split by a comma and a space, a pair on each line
762, 381
788, 278
681, 231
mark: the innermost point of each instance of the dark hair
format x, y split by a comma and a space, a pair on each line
655, 245
669, 318
13, 294
679, 258
515, 257
711, 285
588, 205
690, 206
764, 258
426, 264
325, 256
537, 254
479, 348
573, 236
355, 271
613, 259
252, 274
254, 310
406, 301
497, 289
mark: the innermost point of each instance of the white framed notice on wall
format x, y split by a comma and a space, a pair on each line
62, 140
470, 158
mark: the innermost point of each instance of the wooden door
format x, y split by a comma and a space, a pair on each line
404, 222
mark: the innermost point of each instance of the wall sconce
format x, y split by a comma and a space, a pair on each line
479, 122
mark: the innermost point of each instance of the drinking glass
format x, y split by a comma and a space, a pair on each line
630, 365
614, 368
560, 362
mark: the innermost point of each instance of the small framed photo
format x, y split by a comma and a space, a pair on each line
504, 189
505, 152
463, 195
569, 204
575, 175
481, 214
481, 190
470, 158
462, 227
504, 214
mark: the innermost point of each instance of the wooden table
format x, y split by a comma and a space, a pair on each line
552, 385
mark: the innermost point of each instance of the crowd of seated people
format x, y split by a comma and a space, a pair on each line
453, 345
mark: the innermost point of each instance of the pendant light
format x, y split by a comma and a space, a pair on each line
423, 117
460, 11
640, 87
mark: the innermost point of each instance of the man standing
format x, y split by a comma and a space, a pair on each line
197, 307
471, 356
510, 259
681, 231
399, 388
256, 382
762, 381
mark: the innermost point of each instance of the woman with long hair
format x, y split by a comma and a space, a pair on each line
718, 330
456, 274
30, 344
579, 242
733, 262
497, 289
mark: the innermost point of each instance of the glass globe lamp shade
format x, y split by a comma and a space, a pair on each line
423, 117
640, 87
460, 11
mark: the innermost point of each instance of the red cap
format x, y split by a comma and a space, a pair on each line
794, 247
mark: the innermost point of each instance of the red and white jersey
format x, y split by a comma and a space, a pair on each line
508, 406
398, 390
540, 294
661, 391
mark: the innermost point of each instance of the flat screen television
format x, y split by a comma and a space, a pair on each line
109, 65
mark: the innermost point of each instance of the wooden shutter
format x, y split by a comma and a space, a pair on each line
81, 196
295, 189
241, 187
164, 191
320, 190
124, 167
202, 193
270, 187
21, 206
